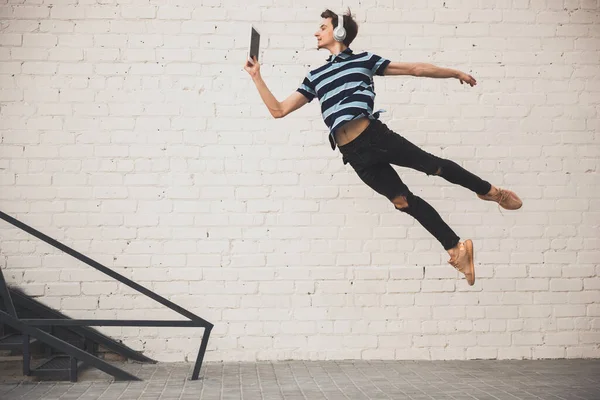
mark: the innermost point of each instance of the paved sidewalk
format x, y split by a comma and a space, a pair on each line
331, 380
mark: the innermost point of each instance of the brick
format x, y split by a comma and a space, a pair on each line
79, 303
504, 312
103, 288
533, 284
560, 285
138, 12
512, 353
569, 310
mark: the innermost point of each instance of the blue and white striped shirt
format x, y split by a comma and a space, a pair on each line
344, 87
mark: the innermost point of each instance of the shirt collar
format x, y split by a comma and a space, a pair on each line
341, 55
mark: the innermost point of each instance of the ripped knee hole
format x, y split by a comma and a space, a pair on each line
400, 202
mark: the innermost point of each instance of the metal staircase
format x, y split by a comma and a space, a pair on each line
56, 365
32, 324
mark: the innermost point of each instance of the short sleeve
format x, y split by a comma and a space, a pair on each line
307, 89
379, 64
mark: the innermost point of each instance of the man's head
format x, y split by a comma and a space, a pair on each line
324, 34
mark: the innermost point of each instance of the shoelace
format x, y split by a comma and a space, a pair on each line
504, 195
455, 265
454, 262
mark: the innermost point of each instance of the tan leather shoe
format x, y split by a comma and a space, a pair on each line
506, 198
464, 260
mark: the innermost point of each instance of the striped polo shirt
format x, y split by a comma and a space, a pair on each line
344, 87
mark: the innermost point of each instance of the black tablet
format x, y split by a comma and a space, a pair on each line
254, 43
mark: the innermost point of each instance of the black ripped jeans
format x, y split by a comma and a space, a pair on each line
371, 154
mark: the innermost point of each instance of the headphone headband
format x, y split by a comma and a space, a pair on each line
339, 33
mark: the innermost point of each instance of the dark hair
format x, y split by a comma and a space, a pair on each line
350, 24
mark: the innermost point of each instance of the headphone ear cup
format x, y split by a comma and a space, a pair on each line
339, 34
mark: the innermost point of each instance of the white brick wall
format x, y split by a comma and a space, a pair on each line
131, 133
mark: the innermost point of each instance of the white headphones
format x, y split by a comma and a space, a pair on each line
339, 33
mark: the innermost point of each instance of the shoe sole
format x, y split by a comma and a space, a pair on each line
469, 245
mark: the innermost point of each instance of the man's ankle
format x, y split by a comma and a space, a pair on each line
454, 251
493, 191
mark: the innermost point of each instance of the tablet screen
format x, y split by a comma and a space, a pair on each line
254, 43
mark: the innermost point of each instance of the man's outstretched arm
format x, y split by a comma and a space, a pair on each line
427, 70
278, 109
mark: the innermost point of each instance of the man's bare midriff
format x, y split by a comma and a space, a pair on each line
350, 130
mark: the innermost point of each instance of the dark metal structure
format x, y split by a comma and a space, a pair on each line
83, 350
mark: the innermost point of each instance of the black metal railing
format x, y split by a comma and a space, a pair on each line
28, 326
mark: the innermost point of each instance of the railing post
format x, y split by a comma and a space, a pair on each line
73, 369
10, 307
201, 352
26, 355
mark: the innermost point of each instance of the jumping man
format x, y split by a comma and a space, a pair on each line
345, 89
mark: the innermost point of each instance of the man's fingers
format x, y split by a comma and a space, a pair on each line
468, 79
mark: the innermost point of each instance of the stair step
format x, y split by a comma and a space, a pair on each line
14, 341
56, 367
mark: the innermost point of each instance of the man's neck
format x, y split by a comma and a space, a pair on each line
337, 49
